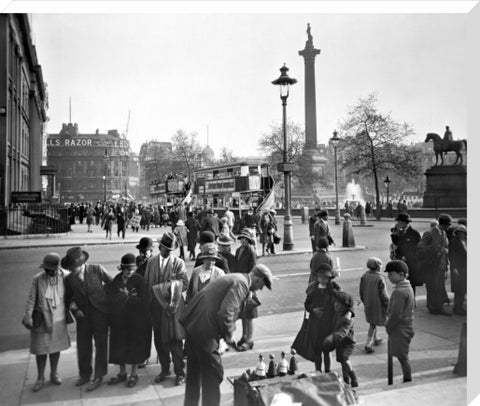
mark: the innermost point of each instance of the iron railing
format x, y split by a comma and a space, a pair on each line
34, 219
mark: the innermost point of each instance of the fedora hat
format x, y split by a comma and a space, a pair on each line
210, 211
51, 261
248, 235
265, 273
145, 243
74, 258
445, 219
403, 217
209, 250
168, 241
128, 261
180, 223
323, 213
224, 239
206, 236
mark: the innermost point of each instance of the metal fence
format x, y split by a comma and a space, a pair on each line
34, 219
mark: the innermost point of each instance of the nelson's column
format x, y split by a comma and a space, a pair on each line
311, 152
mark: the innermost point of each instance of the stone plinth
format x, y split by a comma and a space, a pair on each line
446, 187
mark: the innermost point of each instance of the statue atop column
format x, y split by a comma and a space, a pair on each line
309, 42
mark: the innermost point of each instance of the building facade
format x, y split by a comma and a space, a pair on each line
90, 167
23, 105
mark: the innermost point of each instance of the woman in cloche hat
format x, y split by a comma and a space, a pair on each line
203, 274
46, 318
129, 323
245, 260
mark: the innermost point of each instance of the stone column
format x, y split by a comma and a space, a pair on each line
309, 53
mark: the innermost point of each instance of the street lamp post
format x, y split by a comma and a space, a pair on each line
386, 182
335, 141
284, 81
105, 158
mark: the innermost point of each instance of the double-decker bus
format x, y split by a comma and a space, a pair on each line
171, 192
239, 185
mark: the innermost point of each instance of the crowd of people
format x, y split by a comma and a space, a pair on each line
194, 318
415, 260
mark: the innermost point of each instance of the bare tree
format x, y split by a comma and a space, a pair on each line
271, 145
187, 148
226, 156
373, 143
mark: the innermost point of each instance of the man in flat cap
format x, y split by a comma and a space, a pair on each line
433, 251
210, 316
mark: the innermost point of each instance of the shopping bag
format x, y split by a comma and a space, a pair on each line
303, 343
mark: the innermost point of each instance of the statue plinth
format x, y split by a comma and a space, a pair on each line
446, 187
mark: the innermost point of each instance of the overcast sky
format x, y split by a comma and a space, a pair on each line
214, 70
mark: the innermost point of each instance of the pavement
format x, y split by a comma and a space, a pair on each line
433, 353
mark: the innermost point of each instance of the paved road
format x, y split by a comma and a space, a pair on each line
19, 265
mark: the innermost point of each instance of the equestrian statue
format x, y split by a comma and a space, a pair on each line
442, 146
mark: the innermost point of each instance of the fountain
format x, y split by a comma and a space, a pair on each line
353, 192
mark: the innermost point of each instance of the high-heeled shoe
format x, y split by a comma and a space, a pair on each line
241, 341
245, 346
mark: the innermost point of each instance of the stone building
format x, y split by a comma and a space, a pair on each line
90, 167
23, 105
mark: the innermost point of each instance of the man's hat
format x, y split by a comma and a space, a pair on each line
323, 213
74, 258
262, 271
246, 233
224, 239
403, 217
206, 236
209, 250
397, 266
128, 261
180, 223
444, 219
461, 228
210, 211
323, 269
146, 243
51, 261
168, 241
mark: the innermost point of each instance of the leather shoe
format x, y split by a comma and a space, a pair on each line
95, 384
161, 377
245, 346
179, 380
82, 381
38, 385
460, 312
55, 379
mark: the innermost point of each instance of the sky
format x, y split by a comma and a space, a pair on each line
211, 72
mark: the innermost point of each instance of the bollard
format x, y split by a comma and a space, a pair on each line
461, 365
305, 215
348, 238
363, 217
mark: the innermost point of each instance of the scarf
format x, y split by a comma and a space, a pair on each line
51, 294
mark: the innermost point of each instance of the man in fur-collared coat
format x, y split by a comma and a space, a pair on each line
166, 278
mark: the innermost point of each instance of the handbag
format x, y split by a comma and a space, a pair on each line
303, 343
276, 239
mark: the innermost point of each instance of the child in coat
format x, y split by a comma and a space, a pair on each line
399, 324
374, 295
342, 337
